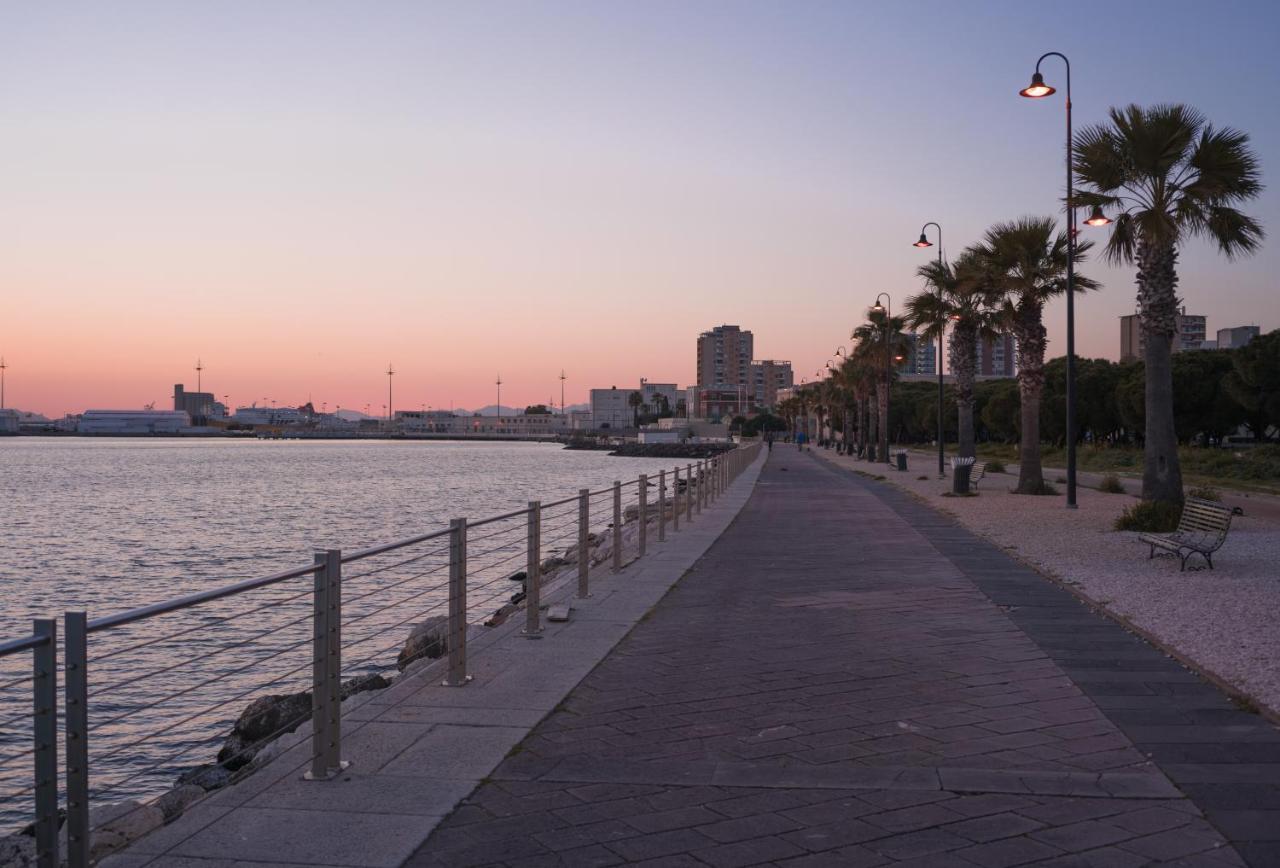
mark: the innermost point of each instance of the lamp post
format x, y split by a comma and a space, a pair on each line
924, 242
499, 384
1036, 90
888, 368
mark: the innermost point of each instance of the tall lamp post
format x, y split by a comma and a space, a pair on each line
499, 384
924, 242
1036, 90
888, 367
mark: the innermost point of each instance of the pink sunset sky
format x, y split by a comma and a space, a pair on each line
299, 193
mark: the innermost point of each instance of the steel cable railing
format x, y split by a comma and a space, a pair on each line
125, 720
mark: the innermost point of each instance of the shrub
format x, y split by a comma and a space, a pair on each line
1061, 480
1152, 516
1206, 493
995, 467
1111, 484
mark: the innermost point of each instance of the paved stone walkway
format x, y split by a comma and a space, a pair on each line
849, 678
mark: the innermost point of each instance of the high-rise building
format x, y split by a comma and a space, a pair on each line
996, 357
724, 356
1190, 334
767, 377
921, 356
1234, 338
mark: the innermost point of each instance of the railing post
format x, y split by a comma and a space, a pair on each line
584, 552
76, 648
333, 656
675, 499
533, 573
662, 505
44, 670
457, 675
617, 526
319, 669
702, 486
644, 512
688, 493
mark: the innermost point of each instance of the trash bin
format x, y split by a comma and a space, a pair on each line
961, 468
902, 460
871, 452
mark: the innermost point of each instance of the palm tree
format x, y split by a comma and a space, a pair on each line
635, 400
962, 295
1027, 261
1170, 175
872, 336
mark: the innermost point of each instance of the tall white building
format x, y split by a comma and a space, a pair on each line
610, 408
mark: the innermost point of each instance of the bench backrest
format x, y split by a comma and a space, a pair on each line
979, 469
1207, 519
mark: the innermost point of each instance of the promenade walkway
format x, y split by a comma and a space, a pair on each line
849, 678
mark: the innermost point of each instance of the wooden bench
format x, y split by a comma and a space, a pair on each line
975, 475
1201, 530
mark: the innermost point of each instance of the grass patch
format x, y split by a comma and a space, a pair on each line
922, 478
1111, 484
1061, 480
953, 494
1150, 516
1204, 492
995, 466
1043, 489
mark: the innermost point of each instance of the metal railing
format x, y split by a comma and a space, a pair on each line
132, 728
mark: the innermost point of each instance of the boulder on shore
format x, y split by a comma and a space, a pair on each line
430, 639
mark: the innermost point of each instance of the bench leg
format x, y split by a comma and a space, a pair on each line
1209, 559
1153, 552
1184, 562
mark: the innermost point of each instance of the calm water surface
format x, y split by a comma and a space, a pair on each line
108, 525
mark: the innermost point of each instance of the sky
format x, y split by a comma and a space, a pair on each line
298, 193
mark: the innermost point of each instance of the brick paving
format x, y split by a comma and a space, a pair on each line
849, 678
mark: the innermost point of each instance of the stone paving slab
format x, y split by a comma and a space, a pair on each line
849, 678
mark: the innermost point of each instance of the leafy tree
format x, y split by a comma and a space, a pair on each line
1168, 175
1000, 410
882, 346
537, 410
1254, 382
634, 400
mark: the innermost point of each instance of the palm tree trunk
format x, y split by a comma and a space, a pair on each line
963, 366
882, 413
1158, 308
1030, 333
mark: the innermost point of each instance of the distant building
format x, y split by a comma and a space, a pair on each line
717, 402
996, 356
1236, 337
198, 405
444, 423
610, 408
767, 377
921, 357
1190, 334
724, 356
8, 421
133, 422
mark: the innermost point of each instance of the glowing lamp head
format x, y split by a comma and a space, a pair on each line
955, 317
1037, 88
877, 307
923, 242
899, 357
1097, 218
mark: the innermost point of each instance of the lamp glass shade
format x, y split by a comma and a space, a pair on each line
923, 242
877, 307
1097, 218
1037, 88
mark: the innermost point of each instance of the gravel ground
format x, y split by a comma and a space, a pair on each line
1221, 620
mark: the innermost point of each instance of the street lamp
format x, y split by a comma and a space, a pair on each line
1036, 90
924, 242
887, 310
498, 424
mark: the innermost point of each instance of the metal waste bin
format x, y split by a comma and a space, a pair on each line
902, 460
960, 477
